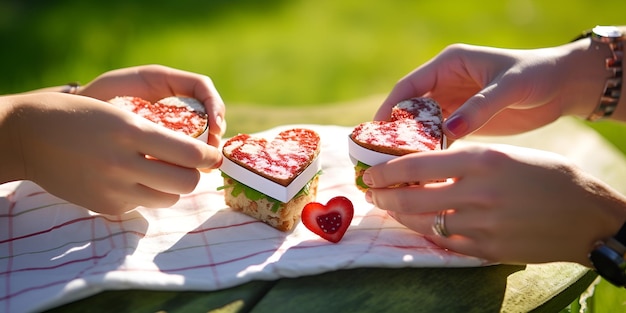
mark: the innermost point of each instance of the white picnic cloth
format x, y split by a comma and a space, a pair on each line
53, 252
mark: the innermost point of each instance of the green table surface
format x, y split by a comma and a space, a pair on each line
497, 288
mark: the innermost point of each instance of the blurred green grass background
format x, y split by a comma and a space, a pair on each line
273, 60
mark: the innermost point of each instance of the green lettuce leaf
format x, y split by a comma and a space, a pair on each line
360, 166
255, 195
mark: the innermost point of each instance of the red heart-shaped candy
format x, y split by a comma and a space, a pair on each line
329, 221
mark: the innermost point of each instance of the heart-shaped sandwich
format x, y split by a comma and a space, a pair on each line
415, 126
186, 115
272, 181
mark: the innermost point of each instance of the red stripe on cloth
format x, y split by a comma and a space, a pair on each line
7, 281
58, 226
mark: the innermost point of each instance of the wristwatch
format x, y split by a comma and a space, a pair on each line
614, 38
609, 258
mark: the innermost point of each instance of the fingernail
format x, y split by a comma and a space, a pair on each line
367, 178
456, 125
368, 196
221, 123
219, 162
219, 120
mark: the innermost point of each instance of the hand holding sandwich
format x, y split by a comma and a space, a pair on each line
506, 204
154, 82
492, 91
503, 203
93, 154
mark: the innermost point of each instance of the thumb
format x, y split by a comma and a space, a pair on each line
476, 111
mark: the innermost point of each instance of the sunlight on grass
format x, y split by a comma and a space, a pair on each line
284, 53
252, 118
608, 298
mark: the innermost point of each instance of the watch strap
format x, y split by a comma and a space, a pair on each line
618, 243
585, 34
621, 235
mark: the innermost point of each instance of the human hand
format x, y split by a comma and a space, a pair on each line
98, 156
493, 91
505, 204
155, 82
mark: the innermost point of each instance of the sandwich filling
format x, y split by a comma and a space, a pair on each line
255, 195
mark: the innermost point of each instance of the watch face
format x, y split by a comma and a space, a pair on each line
609, 264
607, 31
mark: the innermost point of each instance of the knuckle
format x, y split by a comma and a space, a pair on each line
489, 252
402, 204
482, 159
454, 51
196, 154
394, 199
491, 244
161, 201
189, 183
207, 80
170, 200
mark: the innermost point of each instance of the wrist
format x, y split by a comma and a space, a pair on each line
586, 75
71, 88
611, 39
609, 258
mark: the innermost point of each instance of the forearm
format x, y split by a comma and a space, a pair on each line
11, 158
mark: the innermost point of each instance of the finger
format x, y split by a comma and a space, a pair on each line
200, 87
166, 177
424, 224
105, 200
413, 200
482, 107
145, 196
455, 222
206, 93
415, 84
176, 148
420, 223
458, 244
466, 234
214, 140
422, 167
127, 197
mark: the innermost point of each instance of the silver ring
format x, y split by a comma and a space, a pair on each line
439, 227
